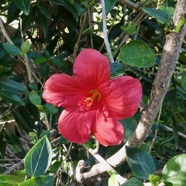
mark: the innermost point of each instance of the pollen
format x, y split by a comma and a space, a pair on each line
86, 102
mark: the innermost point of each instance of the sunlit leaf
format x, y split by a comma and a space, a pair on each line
38, 159
39, 181
25, 47
10, 180
137, 54
154, 179
113, 180
174, 170
109, 4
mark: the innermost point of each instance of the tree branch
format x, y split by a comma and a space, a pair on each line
130, 4
168, 61
105, 33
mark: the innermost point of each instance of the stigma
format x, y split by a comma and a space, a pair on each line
86, 103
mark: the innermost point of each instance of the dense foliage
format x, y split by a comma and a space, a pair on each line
43, 37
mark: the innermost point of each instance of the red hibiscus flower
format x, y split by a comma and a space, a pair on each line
93, 102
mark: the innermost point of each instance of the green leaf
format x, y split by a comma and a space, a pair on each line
175, 170
40, 60
133, 182
12, 86
14, 143
38, 159
129, 125
183, 79
162, 16
109, 5
35, 98
117, 69
140, 162
11, 49
10, 180
67, 5
23, 5
137, 54
50, 109
10, 97
25, 118
113, 180
25, 47
154, 179
38, 181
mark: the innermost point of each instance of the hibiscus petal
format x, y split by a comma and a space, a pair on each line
107, 130
92, 68
75, 125
122, 96
62, 90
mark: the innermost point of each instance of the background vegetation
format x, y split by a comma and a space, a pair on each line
43, 37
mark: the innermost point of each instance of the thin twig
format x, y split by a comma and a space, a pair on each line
107, 44
171, 130
130, 4
6, 122
90, 27
15, 166
5, 33
156, 131
82, 24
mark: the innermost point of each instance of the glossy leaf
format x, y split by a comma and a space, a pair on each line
154, 180
133, 182
12, 86
10, 180
38, 181
129, 125
140, 162
11, 97
174, 170
109, 4
160, 15
113, 180
137, 54
35, 98
40, 60
23, 5
117, 69
11, 49
25, 47
50, 109
38, 159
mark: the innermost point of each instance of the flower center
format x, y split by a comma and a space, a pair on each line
86, 102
